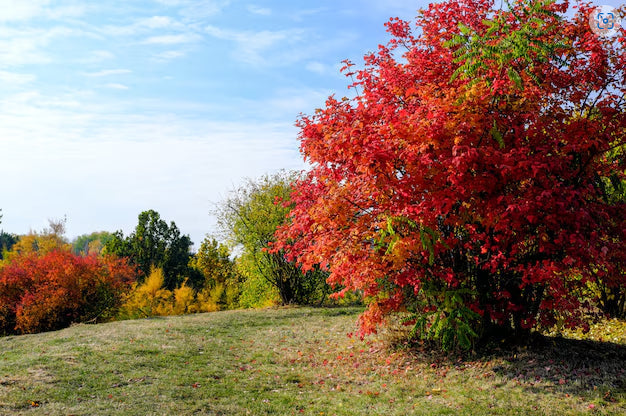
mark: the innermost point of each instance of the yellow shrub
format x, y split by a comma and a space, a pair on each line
148, 298
151, 299
208, 299
184, 300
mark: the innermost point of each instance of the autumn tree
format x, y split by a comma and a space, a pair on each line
154, 243
472, 181
7, 241
93, 243
249, 218
221, 278
49, 239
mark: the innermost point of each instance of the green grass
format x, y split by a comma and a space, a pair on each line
294, 361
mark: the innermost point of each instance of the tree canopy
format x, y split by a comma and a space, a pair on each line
154, 243
249, 218
476, 180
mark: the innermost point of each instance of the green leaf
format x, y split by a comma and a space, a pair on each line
467, 31
515, 77
497, 136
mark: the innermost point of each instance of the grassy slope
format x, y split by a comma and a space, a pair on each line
289, 362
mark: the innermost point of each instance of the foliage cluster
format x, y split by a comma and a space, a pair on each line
51, 290
154, 243
179, 282
49, 239
248, 219
93, 243
151, 298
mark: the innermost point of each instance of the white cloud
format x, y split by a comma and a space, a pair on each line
123, 163
16, 78
172, 39
252, 46
116, 86
303, 14
67, 11
171, 3
263, 11
282, 47
195, 10
318, 68
142, 25
98, 56
156, 22
12, 10
31, 46
108, 72
22, 50
24, 10
168, 55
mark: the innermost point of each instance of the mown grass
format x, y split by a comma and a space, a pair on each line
295, 361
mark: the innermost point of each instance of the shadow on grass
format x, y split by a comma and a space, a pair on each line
572, 365
566, 365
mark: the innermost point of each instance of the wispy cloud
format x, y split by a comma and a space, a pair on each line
300, 15
172, 39
263, 11
318, 67
168, 55
200, 9
22, 50
26, 46
141, 26
24, 10
116, 86
252, 46
13, 10
98, 56
16, 78
108, 72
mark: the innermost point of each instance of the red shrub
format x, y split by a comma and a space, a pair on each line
39, 293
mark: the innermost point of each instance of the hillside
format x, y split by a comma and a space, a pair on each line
293, 361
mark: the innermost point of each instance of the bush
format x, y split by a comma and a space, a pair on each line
151, 298
148, 298
52, 291
257, 292
477, 178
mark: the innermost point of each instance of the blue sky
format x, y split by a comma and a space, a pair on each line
109, 108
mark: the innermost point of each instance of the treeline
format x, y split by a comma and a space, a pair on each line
48, 282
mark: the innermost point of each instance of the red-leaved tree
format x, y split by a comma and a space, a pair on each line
52, 291
476, 180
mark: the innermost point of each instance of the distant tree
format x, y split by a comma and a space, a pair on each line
219, 272
213, 261
42, 242
154, 243
249, 217
7, 241
91, 243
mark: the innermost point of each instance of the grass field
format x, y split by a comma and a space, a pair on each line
295, 361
